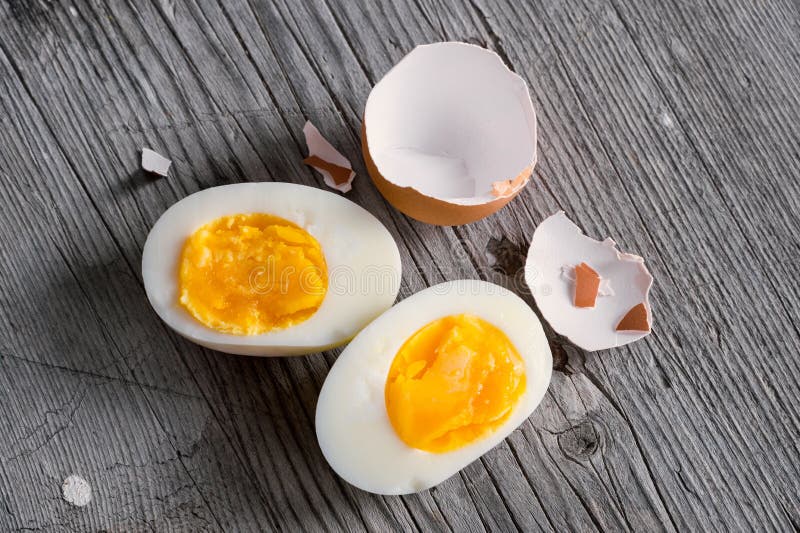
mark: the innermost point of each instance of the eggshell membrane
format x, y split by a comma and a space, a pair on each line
442, 127
353, 428
557, 242
363, 263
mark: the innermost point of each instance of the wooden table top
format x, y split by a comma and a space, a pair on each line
670, 126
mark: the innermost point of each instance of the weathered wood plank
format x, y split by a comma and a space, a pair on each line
689, 429
60, 422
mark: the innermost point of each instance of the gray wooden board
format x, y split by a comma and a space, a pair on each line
671, 126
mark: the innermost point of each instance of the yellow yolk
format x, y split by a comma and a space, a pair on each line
252, 273
454, 381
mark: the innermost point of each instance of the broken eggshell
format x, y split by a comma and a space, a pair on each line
336, 170
449, 134
154, 162
558, 245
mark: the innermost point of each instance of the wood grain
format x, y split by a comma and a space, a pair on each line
670, 126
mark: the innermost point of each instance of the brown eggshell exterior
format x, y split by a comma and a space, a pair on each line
425, 208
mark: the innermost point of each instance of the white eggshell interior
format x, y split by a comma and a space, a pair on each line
363, 264
558, 243
154, 162
449, 120
353, 428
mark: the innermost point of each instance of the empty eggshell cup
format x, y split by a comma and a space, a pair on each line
449, 134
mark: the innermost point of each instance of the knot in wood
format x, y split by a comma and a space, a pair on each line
506, 256
560, 358
579, 442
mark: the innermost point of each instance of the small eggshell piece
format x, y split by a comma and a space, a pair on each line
339, 175
635, 319
505, 188
336, 169
587, 283
501, 188
154, 162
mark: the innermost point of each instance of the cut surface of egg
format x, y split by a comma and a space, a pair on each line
431, 385
449, 134
269, 268
251, 273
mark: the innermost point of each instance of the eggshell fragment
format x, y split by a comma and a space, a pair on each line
336, 170
635, 319
507, 187
339, 175
449, 134
557, 245
587, 283
605, 289
154, 162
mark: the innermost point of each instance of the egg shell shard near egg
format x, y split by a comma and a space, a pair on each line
154, 162
558, 243
336, 170
362, 258
353, 427
443, 127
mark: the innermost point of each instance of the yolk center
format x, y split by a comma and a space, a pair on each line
452, 382
252, 273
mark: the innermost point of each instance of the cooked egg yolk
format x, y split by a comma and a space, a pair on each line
252, 273
454, 381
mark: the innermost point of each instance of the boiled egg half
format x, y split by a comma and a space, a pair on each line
269, 268
431, 385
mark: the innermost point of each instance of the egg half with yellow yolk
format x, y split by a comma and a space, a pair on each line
269, 268
431, 385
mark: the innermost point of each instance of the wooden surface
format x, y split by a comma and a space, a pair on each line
671, 126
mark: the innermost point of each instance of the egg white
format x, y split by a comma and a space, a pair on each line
353, 427
362, 257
